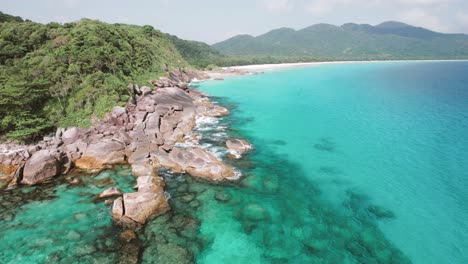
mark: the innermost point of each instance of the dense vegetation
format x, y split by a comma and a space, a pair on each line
66, 75
8, 18
63, 75
387, 41
198, 54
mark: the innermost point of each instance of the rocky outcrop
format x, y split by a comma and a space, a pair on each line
206, 108
239, 145
179, 78
101, 153
137, 207
198, 163
41, 166
143, 134
110, 192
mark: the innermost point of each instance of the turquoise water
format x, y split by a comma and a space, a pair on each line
353, 163
59, 222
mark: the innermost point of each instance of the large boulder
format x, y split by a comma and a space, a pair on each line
149, 201
70, 135
41, 166
140, 206
173, 96
198, 163
150, 184
101, 153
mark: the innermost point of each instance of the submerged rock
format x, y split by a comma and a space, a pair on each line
222, 196
73, 236
172, 253
380, 212
254, 212
127, 235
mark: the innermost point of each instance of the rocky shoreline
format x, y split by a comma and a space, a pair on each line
148, 134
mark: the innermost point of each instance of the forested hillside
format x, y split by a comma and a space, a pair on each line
63, 75
387, 41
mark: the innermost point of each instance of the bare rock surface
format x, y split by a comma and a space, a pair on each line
110, 192
140, 206
149, 201
42, 165
198, 163
101, 153
239, 145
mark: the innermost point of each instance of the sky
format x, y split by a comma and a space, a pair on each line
212, 21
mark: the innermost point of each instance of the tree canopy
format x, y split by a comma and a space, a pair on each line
63, 75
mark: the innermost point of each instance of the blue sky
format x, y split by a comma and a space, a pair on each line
216, 20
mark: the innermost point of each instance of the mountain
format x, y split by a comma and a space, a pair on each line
389, 40
196, 53
68, 74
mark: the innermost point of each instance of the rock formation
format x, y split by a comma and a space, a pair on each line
110, 192
41, 166
237, 147
143, 134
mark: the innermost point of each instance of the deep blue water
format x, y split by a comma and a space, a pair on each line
338, 141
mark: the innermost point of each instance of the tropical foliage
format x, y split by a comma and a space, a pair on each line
63, 75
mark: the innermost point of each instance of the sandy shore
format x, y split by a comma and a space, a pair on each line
262, 67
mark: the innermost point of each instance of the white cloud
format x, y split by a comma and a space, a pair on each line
277, 6
421, 17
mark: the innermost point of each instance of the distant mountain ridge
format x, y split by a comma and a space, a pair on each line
388, 40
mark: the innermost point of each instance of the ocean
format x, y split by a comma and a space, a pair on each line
367, 163
352, 163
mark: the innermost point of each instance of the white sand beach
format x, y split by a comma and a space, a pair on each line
263, 67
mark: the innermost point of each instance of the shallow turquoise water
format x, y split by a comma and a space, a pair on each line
333, 143
58, 222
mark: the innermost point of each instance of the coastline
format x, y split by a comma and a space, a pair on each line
157, 138
262, 67
154, 130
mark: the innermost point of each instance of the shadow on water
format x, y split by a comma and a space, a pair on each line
275, 210
326, 144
